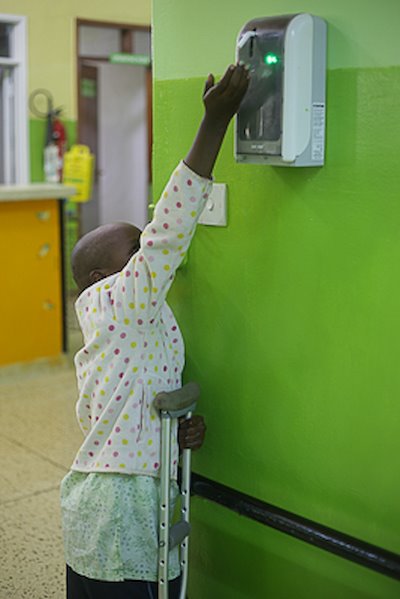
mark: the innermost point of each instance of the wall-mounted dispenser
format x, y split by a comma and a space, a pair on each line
281, 120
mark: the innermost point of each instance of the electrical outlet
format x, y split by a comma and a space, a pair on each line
215, 210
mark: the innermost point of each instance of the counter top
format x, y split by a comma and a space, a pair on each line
35, 191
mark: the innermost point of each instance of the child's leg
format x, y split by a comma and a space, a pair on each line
80, 587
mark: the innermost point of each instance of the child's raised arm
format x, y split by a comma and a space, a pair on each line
221, 101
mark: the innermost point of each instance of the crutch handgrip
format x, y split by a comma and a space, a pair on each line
180, 400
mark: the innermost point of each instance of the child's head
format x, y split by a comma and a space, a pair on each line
103, 252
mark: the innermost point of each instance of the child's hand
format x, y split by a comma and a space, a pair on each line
222, 100
191, 432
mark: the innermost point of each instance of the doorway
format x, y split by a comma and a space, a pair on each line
115, 121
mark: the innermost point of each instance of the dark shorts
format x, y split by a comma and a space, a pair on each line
80, 587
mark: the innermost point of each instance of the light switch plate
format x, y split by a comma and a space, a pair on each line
215, 210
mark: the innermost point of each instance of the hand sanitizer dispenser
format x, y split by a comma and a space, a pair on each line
281, 120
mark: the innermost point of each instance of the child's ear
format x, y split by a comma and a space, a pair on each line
96, 275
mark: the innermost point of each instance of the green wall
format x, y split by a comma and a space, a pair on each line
290, 314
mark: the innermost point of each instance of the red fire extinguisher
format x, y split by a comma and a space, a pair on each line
56, 138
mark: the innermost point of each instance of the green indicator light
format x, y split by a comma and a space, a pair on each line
271, 58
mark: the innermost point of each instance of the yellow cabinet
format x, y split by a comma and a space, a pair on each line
31, 298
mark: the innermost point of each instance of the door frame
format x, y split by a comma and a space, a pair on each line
126, 30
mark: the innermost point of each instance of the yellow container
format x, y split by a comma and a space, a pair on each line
78, 171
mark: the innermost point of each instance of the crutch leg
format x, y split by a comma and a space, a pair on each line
174, 404
163, 533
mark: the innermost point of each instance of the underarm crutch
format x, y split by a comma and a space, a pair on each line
174, 404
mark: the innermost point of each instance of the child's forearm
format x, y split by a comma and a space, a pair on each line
204, 151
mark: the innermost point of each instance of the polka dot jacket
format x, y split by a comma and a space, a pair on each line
133, 347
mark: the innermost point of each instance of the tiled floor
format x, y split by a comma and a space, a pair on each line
38, 439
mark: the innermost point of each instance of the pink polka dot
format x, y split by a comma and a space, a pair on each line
115, 454
111, 327
156, 465
166, 211
118, 398
116, 351
126, 360
97, 443
193, 199
189, 182
109, 442
178, 205
123, 335
121, 375
140, 321
91, 454
176, 188
166, 226
117, 429
127, 273
149, 243
154, 230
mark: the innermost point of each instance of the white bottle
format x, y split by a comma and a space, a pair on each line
51, 164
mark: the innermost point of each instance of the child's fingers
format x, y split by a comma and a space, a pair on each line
238, 84
224, 82
239, 76
209, 83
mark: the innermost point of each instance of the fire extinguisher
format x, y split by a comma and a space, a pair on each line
56, 138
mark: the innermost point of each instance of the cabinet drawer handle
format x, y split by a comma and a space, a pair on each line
43, 215
44, 250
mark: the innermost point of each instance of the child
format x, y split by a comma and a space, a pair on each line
132, 350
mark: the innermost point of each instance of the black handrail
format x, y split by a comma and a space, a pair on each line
341, 544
